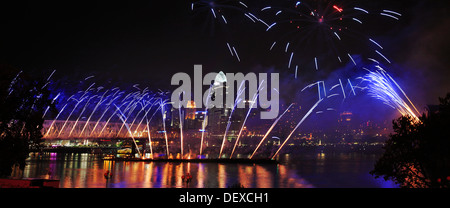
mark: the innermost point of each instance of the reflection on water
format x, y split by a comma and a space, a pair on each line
336, 169
87, 171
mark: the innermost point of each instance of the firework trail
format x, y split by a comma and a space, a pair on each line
253, 101
238, 100
205, 119
269, 130
149, 129
162, 104
299, 123
149, 139
122, 117
83, 97
382, 86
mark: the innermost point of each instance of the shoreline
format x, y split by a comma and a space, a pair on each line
216, 160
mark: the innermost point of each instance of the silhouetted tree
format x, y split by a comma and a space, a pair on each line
22, 103
418, 153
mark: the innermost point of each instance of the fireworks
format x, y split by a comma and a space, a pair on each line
310, 34
269, 130
253, 101
295, 128
322, 31
222, 12
103, 109
382, 86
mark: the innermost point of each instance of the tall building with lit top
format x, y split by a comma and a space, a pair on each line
189, 117
345, 126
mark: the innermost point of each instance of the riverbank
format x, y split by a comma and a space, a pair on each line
215, 160
28, 183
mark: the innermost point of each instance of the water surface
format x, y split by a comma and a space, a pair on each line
82, 170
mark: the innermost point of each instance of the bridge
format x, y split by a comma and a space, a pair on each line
62, 129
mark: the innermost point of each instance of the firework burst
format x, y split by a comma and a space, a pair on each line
316, 33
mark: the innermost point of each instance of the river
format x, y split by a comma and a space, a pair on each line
307, 170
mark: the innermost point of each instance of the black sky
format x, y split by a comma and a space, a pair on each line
148, 42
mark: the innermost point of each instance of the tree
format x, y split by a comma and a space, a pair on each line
22, 104
418, 153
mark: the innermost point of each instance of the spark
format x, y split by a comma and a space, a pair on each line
324, 88
392, 12
337, 35
351, 86
253, 16
276, 90
334, 86
273, 24
342, 87
48, 79
229, 48
315, 61
214, 13
290, 60
388, 15
337, 8
318, 89
223, 17
88, 77
263, 22
360, 9
332, 95
272, 46
375, 43
357, 20
309, 86
351, 59
237, 55
250, 18
382, 56
242, 3
371, 59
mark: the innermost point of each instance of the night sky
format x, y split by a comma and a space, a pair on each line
147, 42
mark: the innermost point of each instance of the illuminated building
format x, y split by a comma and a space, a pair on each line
345, 126
189, 116
190, 110
346, 116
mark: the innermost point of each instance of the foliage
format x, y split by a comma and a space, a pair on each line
22, 104
418, 153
